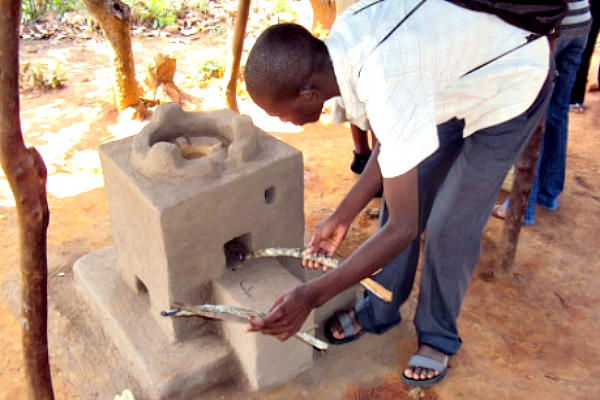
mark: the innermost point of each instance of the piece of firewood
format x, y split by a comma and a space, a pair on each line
237, 314
332, 262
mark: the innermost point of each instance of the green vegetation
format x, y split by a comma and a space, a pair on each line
42, 75
213, 68
200, 5
157, 13
152, 13
209, 70
34, 10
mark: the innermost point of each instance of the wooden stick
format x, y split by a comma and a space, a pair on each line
237, 314
332, 262
26, 174
525, 169
524, 176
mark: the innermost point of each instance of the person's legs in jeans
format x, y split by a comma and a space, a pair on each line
551, 163
553, 152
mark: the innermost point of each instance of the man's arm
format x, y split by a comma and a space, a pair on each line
401, 197
331, 232
290, 311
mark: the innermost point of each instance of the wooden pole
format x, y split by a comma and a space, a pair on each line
237, 46
525, 169
519, 195
26, 174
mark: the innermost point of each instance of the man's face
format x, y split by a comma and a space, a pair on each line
299, 110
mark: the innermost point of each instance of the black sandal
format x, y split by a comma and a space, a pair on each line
359, 162
345, 322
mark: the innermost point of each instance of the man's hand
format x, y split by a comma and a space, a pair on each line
326, 239
287, 314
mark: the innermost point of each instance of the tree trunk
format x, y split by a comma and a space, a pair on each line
236, 49
26, 174
114, 18
525, 169
323, 14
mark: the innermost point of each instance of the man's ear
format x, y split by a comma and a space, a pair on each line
309, 95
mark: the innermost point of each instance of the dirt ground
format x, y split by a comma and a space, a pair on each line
530, 335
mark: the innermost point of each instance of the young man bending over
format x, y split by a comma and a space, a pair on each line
447, 133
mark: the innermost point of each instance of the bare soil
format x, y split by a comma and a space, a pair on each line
530, 335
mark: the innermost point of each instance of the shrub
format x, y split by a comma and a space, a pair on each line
157, 13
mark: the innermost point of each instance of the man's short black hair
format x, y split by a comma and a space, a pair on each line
281, 61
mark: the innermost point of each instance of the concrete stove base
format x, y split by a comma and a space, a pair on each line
174, 371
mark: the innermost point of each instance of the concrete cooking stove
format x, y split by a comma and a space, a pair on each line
182, 191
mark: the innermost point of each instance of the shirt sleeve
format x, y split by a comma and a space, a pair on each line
401, 114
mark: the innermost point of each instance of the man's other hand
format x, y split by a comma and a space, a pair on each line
326, 239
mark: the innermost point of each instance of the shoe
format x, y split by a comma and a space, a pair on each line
359, 162
420, 361
345, 320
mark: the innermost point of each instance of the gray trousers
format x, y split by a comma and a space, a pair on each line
458, 185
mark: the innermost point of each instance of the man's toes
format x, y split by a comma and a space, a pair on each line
420, 374
337, 333
431, 373
417, 373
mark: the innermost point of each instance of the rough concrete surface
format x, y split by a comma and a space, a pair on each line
169, 234
165, 370
157, 149
181, 192
266, 360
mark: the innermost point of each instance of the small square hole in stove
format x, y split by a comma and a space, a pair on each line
236, 250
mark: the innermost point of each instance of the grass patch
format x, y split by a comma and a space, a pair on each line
34, 10
42, 75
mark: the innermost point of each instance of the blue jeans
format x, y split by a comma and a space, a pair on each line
550, 176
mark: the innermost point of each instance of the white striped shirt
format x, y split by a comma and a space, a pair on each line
578, 20
414, 80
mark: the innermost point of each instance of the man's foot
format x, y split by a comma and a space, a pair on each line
427, 367
342, 327
499, 211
